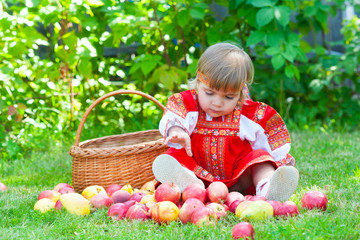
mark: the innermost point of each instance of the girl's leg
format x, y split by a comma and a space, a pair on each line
273, 184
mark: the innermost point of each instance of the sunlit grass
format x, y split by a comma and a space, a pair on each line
326, 162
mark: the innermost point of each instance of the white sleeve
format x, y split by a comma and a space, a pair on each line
255, 134
171, 119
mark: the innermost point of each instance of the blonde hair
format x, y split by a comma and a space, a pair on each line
226, 66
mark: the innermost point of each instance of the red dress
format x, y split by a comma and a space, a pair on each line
222, 148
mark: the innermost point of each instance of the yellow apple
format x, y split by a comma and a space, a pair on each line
254, 210
91, 191
75, 203
43, 205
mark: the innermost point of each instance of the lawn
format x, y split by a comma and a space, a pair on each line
326, 162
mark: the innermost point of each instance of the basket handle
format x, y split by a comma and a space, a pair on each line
86, 114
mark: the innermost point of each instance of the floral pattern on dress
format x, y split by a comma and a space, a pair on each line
276, 132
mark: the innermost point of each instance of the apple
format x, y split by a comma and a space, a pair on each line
218, 209
217, 192
254, 210
287, 208
58, 205
138, 211
168, 192
112, 188
164, 212
314, 199
257, 197
129, 203
120, 196
66, 190
75, 203
247, 197
91, 191
60, 186
3, 188
100, 201
128, 188
188, 209
148, 198
234, 205
203, 216
149, 186
137, 196
194, 191
117, 211
232, 196
275, 205
50, 194
44, 204
243, 230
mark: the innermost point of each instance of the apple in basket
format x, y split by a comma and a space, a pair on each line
164, 212
112, 188
168, 192
50, 194
91, 191
194, 191
243, 230
117, 211
44, 205
188, 209
217, 192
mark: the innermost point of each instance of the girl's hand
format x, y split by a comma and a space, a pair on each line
178, 135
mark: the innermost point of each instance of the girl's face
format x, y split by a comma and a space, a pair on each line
216, 103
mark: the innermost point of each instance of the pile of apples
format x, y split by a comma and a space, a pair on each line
196, 205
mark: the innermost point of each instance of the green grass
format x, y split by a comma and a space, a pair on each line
326, 162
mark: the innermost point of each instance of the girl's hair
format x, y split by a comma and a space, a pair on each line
226, 67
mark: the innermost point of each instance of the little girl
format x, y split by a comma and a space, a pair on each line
217, 133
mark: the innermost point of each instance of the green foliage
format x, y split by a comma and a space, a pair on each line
59, 56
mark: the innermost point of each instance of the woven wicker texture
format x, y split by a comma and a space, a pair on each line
121, 159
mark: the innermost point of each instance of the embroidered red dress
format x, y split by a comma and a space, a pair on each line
224, 147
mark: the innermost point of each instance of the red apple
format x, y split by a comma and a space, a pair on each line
243, 230
138, 211
164, 212
203, 216
120, 196
247, 197
188, 208
60, 186
287, 208
50, 194
218, 209
3, 188
112, 188
168, 192
137, 196
234, 205
117, 211
314, 199
232, 196
256, 198
217, 192
275, 205
100, 201
129, 203
66, 190
58, 205
194, 191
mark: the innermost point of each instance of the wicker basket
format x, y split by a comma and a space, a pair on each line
121, 159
